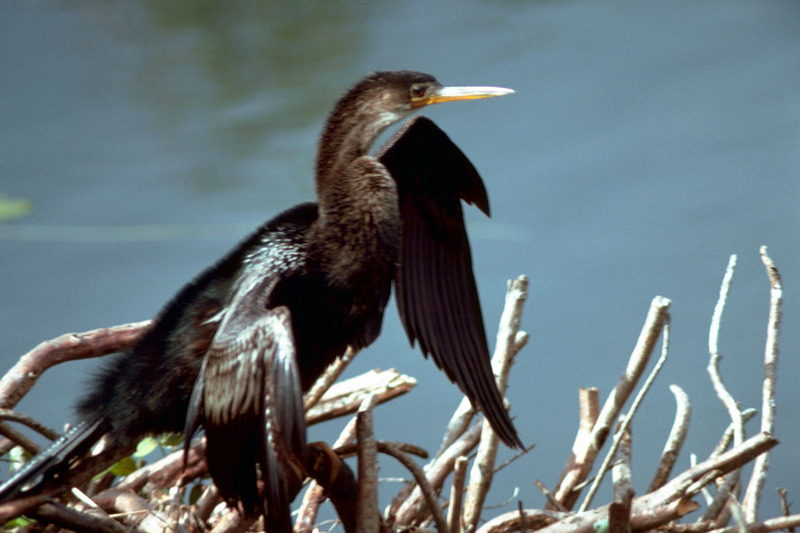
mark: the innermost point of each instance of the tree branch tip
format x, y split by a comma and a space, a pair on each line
661, 301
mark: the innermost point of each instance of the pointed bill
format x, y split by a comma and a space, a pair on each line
451, 94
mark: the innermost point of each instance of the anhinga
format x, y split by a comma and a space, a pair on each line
236, 349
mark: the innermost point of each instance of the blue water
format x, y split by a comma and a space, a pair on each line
645, 144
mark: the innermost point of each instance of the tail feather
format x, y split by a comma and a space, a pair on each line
56, 458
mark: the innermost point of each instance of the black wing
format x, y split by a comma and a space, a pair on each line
436, 293
250, 385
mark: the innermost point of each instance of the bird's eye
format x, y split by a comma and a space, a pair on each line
418, 90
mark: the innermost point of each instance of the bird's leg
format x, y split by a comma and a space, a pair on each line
327, 468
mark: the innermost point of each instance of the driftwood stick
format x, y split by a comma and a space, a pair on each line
457, 494
627, 420
407, 508
68, 347
759, 475
346, 397
67, 517
431, 497
367, 518
567, 490
15, 416
328, 378
577, 468
677, 436
652, 510
509, 341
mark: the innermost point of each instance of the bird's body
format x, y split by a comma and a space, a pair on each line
234, 351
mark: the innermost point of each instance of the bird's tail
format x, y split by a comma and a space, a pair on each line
56, 458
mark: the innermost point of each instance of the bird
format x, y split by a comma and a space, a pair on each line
233, 352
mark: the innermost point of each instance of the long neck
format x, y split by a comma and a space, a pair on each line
349, 133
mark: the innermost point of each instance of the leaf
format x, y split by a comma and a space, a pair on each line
171, 439
145, 447
124, 467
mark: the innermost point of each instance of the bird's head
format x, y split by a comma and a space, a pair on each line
375, 103
385, 97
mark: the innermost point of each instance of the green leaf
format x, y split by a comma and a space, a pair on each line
124, 467
145, 447
172, 439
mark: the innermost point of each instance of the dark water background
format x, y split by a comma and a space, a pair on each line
646, 143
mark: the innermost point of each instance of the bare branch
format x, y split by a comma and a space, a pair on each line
407, 507
668, 503
566, 491
457, 494
677, 436
345, 398
16, 416
774, 524
134, 510
63, 516
629, 416
580, 461
328, 378
69, 347
19, 439
428, 491
507, 345
367, 518
758, 477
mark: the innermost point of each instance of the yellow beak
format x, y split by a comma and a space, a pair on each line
451, 94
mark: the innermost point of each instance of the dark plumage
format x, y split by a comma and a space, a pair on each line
234, 351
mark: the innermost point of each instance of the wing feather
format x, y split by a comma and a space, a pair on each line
435, 286
250, 385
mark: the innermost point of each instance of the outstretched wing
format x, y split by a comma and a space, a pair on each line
250, 386
435, 286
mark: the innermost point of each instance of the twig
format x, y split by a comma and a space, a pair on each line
677, 436
628, 419
328, 378
367, 518
407, 507
619, 513
134, 510
16, 416
514, 457
759, 474
549, 495
507, 345
566, 492
168, 470
422, 482
774, 524
19, 439
716, 319
784, 501
577, 467
207, 501
345, 398
621, 472
457, 494
656, 508
534, 520
63, 516
727, 436
18, 381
